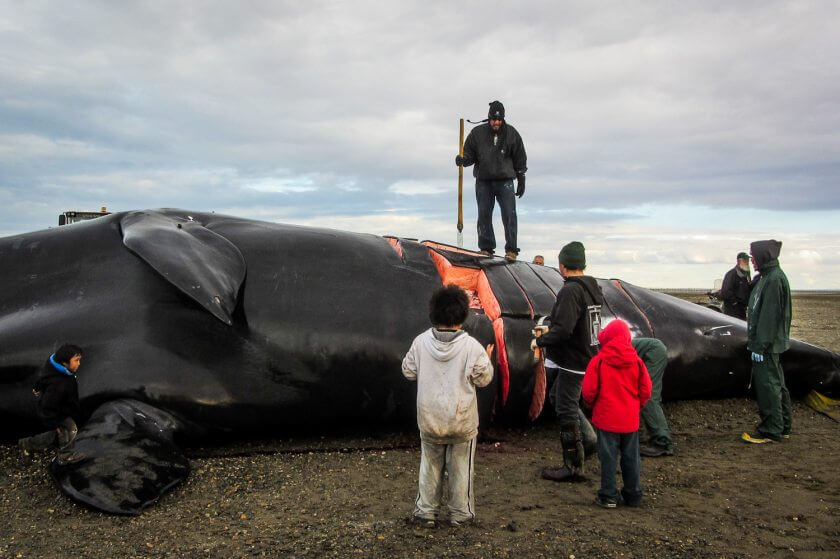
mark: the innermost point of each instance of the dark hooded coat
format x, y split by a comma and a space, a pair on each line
735, 292
568, 341
501, 159
57, 397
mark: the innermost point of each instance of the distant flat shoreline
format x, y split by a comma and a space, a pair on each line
695, 290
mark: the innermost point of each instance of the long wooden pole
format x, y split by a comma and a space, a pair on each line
461, 188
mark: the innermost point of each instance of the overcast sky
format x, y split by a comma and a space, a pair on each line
664, 135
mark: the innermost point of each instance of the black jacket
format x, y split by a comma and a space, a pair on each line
569, 342
735, 292
58, 397
503, 160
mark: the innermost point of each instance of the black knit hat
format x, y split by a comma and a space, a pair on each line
573, 256
743, 256
497, 110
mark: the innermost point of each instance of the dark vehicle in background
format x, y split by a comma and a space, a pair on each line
70, 217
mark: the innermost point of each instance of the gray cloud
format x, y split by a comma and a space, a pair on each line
329, 109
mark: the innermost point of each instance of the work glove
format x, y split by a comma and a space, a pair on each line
539, 330
520, 185
460, 160
757, 357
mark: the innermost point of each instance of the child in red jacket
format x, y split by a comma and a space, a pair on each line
616, 386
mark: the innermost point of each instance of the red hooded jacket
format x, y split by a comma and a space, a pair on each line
616, 384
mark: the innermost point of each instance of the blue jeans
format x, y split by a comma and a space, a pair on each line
609, 446
486, 194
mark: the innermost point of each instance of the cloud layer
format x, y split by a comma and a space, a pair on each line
667, 135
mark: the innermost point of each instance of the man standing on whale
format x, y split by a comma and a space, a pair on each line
498, 153
768, 336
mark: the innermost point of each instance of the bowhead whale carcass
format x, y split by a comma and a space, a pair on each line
195, 324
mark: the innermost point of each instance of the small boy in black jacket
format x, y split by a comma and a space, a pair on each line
56, 400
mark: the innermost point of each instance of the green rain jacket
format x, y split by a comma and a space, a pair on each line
769, 310
654, 353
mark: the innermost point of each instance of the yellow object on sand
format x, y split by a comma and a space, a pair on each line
823, 404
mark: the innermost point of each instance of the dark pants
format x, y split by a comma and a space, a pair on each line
564, 396
60, 436
653, 417
609, 447
486, 194
773, 397
738, 310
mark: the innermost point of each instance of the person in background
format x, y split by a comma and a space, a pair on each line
56, 400
654, 354
616, 386
539, 260
448, 364
736, 286
497, 151
769, 314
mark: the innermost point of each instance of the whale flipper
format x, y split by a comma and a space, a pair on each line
204, 265
123, 459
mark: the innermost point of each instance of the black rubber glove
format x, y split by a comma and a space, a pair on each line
459, 160
520, 185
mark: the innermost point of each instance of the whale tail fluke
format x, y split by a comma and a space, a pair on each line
123, 460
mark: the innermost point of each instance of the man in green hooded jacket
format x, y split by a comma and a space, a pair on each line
768, 336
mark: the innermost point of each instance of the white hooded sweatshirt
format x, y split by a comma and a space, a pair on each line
447, 366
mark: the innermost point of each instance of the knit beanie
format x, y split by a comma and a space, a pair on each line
497, 110
573, 256
743, 256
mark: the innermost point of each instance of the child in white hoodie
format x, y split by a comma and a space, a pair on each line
448, 364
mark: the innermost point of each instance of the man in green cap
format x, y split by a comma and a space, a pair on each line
768, 336
655, 355
570, 342
735, 289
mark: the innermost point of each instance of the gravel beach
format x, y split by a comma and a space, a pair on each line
344, 496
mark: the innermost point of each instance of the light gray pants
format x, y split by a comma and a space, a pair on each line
458, 460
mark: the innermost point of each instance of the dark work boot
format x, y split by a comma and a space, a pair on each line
653, 451
25, 448
572, 468
562, 473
